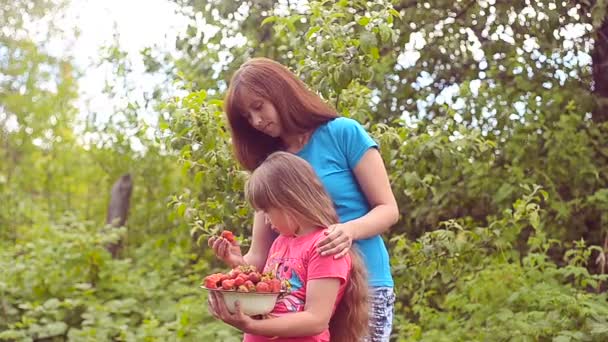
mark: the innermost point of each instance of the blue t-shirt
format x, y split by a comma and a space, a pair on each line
333, 150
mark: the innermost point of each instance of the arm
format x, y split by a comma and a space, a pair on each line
312, 321
261, 240
373, 179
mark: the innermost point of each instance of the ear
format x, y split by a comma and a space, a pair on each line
266, 219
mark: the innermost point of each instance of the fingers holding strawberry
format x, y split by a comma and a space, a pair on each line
226, 234
226, 248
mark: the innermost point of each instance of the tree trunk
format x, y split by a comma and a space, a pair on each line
118, 209
599, 59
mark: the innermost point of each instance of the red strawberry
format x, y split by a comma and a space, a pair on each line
238, 281
210, 283
262, 287
235, 272
255, 277
228, 284
275, 285
226, 234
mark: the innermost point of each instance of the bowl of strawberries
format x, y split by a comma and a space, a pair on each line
256, 292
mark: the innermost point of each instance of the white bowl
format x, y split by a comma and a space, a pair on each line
252, 303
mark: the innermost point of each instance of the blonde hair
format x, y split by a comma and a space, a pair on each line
287, 182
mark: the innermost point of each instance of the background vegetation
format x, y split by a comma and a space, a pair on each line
492, 117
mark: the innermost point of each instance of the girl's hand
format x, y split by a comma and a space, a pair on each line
218, 308
228, 252
338, 241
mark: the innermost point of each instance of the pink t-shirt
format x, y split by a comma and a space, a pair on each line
297, 260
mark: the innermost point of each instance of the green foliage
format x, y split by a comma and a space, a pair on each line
470, 284
484, 115
483, 112
215, 201
60, 283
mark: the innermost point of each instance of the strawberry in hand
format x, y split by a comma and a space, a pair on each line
226, 248
226, 234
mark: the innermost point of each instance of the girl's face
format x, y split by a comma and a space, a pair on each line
281, 222
261, 114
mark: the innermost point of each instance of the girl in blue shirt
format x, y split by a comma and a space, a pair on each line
270, 109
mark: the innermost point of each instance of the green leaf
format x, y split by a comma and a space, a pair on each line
268, 20
312, 31
367, 41
216, 102
55, 329
181, 209
363, 21
394, 13
599, 328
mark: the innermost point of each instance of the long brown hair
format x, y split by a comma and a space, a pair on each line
287, 182
300, 109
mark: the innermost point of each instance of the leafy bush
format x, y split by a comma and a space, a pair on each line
493, 139
60, 283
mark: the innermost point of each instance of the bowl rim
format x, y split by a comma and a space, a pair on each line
235, 291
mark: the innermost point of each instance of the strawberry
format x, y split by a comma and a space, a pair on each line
255, 277
262, 287
210, 283
228, 284
242, 288
275, 285
238, 281
226, 234
234, 273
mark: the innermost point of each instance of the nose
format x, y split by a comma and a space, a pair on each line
256, 120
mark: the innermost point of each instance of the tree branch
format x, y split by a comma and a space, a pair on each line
464, 10
405, 5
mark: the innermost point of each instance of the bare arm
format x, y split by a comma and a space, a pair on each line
261, 240
320, 296
373, 179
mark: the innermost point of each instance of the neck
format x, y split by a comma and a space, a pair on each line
305, 228
294, 143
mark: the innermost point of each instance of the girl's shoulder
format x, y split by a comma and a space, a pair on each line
306, 239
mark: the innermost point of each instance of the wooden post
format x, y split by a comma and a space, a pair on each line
599, 71
118, 209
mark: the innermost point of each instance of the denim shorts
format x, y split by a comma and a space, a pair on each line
382, 305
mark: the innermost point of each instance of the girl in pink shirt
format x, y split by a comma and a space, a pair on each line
328, 297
